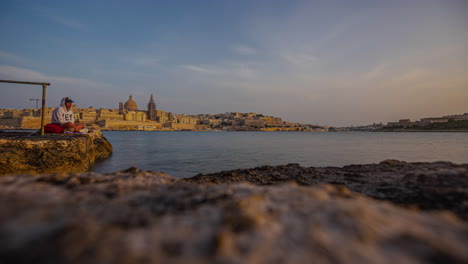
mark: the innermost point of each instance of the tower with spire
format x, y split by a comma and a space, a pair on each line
152, 114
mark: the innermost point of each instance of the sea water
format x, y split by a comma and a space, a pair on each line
186, 153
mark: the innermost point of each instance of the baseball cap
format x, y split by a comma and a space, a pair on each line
68, 100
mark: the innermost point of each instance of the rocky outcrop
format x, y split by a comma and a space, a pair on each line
427, 186
22, 152
148, 217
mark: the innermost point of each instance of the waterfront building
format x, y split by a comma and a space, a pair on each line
87, 115
457, 117
135, 116
109, 114
211, 122
272, 121
184, 119
428, 121
253, 123
163, 116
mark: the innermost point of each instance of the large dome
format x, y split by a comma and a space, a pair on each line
130, 104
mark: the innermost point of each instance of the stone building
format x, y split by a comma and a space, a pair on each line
87, 115
272, 121
184, 119
109, 114
163, 116
211, 122
428, 121
253, 122
135, 116
457, 117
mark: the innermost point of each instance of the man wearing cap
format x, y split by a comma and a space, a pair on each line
63, 116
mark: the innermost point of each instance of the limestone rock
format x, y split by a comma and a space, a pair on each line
427, 186
31, 153
134, 216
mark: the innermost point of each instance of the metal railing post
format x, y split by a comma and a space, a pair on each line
44, 86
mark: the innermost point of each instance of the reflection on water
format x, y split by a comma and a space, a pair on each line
185, 154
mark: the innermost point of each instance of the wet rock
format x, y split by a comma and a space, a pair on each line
134, 216
32, 153
427, 186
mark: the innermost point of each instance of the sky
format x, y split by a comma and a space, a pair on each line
335, 63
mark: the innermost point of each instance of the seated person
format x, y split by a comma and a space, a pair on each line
63, 116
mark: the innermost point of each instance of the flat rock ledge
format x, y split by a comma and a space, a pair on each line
23, 152
134, 216
421, 185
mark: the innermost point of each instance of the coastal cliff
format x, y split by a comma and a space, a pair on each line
283, 214
23, 152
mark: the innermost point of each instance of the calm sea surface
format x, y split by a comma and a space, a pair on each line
185, 154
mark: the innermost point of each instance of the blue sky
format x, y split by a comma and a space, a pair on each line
328, 62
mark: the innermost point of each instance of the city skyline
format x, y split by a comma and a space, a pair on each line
333, 63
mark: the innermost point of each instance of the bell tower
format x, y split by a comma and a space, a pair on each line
152, 115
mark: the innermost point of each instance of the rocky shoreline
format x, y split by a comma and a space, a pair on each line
392, 212
29, 152
423, 185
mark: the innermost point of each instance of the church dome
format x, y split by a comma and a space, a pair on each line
130, 104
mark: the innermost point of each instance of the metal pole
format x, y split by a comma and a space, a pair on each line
44, 86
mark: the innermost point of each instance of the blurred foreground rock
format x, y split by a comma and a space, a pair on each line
23, 152
147, 217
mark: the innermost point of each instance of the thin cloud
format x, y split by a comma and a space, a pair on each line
145, 61
243, 50
377, 72
246, 72
7, 56
297, 58
64, 21
415, 75
79, 89
200, 69
21, 74
69, 23
234, 73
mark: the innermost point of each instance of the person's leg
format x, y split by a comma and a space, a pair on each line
70, 127
78, 127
